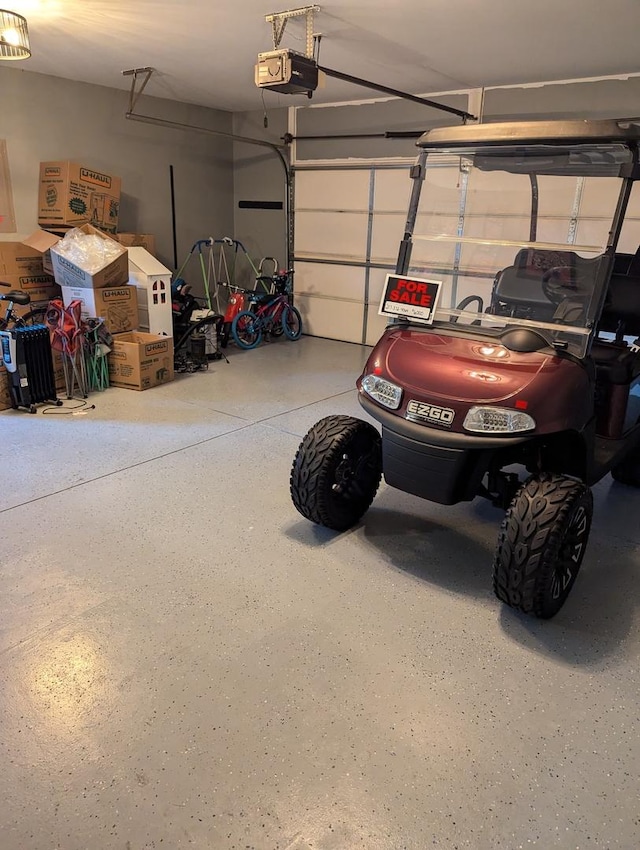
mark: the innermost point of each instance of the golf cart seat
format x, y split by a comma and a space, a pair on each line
622, 304
518, 288
616, 362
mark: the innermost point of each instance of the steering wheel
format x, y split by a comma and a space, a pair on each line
560, 282
465, 303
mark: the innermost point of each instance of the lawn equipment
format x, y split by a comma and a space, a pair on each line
510, 368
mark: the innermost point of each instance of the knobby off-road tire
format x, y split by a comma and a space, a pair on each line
541, 544
337, 471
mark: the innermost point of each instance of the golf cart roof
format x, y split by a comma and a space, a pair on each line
530, 133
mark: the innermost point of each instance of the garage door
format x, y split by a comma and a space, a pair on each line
348, 226
349, 223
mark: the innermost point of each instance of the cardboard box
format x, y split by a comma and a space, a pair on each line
58, 373
40, 287
42, 242
72, 194
17, 258
117, 306
115, 273
139, 361
138, 240
31, 256
5, 398
154, 292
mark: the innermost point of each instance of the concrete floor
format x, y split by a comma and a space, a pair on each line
186, 662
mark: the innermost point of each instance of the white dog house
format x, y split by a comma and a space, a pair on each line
153, 281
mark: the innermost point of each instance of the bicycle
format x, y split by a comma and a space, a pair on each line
35, 316
270, 313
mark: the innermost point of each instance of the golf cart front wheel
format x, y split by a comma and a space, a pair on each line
336, 471
542, 543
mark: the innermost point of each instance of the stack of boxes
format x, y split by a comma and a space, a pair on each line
127, 296
137, 361
73, 195
103, 293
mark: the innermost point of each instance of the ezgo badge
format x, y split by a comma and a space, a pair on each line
410, 297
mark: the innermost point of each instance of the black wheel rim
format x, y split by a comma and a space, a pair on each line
355, 470
571, 553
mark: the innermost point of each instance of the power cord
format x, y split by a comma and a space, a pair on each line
78, 410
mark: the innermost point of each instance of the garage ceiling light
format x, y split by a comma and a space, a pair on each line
14, 36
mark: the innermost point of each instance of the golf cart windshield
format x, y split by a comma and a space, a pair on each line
517, 236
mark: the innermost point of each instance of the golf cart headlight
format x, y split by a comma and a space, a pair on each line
384, 392
498, 420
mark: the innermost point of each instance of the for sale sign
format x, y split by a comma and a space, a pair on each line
410, 298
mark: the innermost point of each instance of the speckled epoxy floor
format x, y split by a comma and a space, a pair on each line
185, 662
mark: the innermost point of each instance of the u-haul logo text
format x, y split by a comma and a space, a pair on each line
52, 171
155, 347
39, 279
116, 293
95, 177
422, 412
67, 264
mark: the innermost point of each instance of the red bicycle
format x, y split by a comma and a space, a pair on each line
271, 314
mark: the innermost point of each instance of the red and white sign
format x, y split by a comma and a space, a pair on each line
410, 298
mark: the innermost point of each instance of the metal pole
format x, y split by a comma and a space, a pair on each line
173, 218
533, 226
417, 175
423, 101
176, 125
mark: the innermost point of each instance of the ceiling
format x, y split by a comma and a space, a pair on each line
204, 50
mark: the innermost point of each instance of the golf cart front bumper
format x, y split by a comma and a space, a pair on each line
438, 465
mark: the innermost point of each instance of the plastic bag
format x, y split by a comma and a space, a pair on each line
88, 250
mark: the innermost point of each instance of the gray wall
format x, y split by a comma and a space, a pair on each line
48, 118
259, 176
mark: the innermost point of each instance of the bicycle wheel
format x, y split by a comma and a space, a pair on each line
291, 322
246, 330
35, 316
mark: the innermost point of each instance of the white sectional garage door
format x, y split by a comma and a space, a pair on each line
349, 223
348, 227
